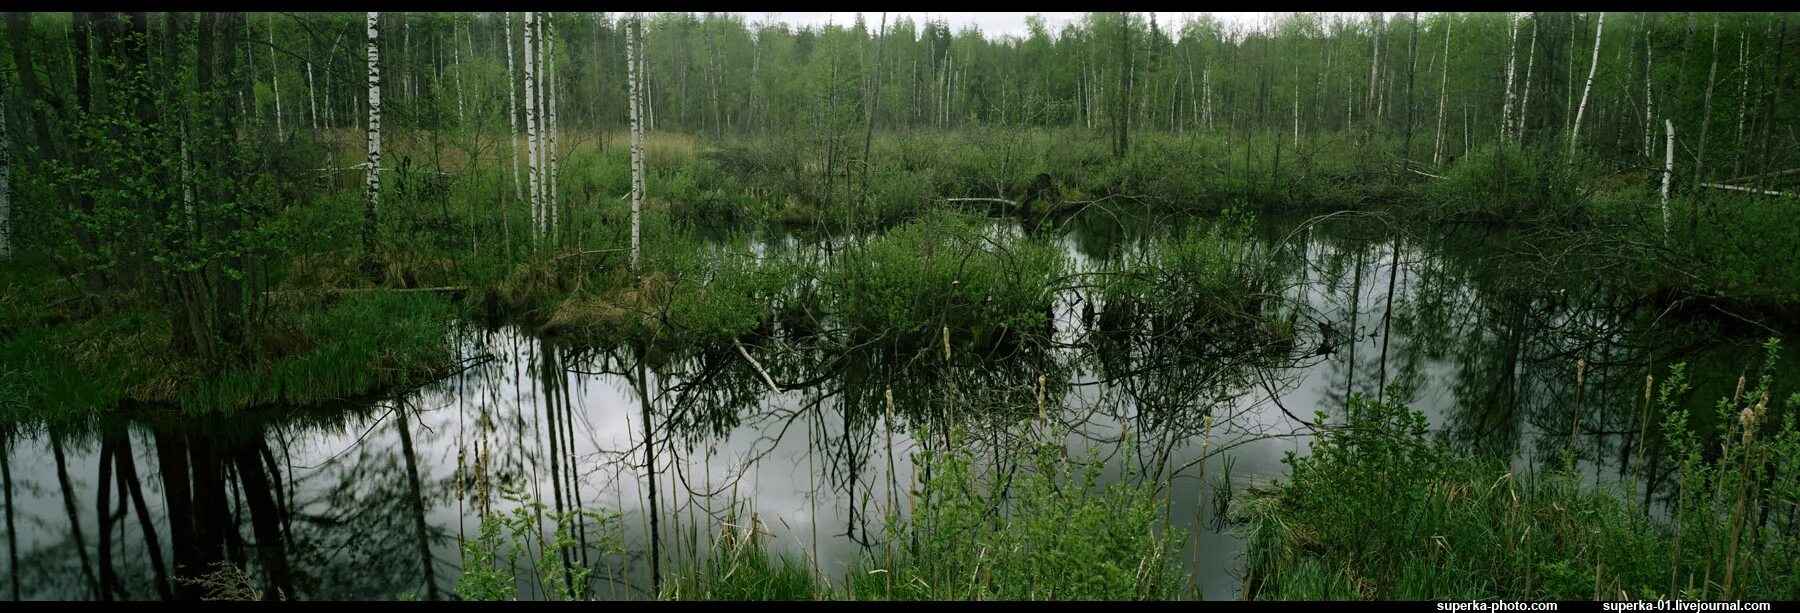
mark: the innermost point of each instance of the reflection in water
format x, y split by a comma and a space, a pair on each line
375, 502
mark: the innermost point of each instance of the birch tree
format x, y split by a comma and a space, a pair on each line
274, 75
553, 126
1530, 62
312, 98
632, 55
512, 112
1512, 44
1593, 65
1668, 172
531, 122
1437, 146
373, 189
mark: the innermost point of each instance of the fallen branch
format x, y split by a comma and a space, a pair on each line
754, 364
1737, 188
999, 200
589, 252
1753, 177
452, 289
1424, 173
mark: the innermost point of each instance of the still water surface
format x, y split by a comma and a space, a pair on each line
374, 502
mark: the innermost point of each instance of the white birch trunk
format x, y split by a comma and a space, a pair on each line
531, 121
1593, 66
543, 127
637, 153
1437, 145
1297, 107
554, 126
512, 113
1525, 99
462, 117
274, 75
1668, 173
1374, 69
1512, 43
312, 98
373, 190
1206, 112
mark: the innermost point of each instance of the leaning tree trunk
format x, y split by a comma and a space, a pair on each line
1593, 65
632, 34
373, 189
1649, 98
1525, 99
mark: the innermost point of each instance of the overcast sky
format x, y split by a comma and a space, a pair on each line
993, 24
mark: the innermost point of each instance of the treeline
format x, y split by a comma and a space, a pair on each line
149, 150
1473, 77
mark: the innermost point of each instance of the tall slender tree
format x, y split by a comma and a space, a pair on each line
372, 190
633, 37
1593, 66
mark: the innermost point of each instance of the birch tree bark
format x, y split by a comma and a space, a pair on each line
512, 113
632, 55
462, 117
1525, 99
312, 98
275, 76
531, 123
1512, 44
1593, 65
373, 188
1412, 66
1437, 145
553, 127
1374, 71
1668, 173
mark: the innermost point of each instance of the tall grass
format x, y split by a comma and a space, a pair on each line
1048, 532
1380, 510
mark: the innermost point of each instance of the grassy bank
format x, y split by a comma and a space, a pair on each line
1381, 510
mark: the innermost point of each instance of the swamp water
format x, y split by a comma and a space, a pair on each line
375, 502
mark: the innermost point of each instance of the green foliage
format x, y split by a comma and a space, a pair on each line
1380, 510
490, 575
947, 271
1050, 531
1505, 184
364, 343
